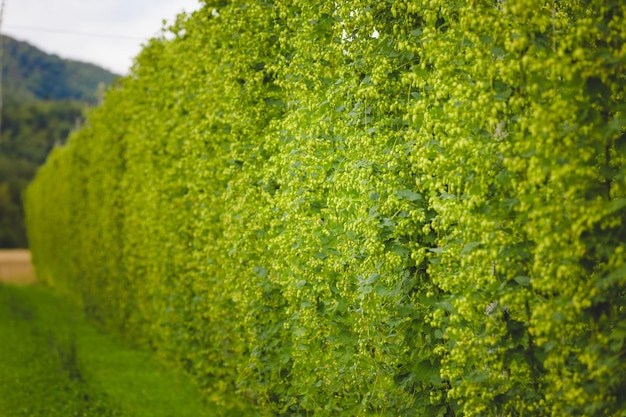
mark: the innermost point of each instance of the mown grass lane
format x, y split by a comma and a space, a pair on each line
54, 363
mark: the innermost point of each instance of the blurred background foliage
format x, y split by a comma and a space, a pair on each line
44, 99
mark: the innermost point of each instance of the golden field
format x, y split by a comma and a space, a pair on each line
16, 267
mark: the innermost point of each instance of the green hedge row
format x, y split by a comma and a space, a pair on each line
361, 207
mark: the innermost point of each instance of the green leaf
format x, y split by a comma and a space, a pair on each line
382, 291
400, 250
409, 195
503, 91
524, 281
615, 206
468, 248
261, 272
372, 278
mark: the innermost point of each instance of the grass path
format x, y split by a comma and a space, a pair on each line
55, 364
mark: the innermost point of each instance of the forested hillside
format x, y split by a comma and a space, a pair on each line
43, 97
357, 208
31, 74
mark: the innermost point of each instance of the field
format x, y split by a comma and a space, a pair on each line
15, 267
55, 363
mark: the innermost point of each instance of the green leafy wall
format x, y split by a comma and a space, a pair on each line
361, 208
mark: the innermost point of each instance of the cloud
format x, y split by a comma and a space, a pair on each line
108, 33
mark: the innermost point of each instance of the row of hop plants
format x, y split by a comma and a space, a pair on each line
360, 208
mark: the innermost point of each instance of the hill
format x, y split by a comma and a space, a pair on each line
43, 96
31, 74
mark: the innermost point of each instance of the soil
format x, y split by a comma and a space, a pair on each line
16, 267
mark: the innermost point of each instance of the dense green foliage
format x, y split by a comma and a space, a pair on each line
43, 96
54, 364
361, 208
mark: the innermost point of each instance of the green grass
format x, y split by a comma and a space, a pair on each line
54, 363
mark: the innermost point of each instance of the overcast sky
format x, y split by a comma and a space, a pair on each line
68, 28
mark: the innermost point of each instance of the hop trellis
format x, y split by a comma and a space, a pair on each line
357, 208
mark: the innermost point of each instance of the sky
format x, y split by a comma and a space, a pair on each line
108, 33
